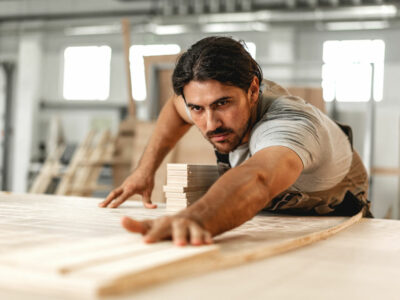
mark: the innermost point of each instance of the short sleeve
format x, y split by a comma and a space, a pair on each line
291, 123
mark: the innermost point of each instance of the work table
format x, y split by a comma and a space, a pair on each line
361, 262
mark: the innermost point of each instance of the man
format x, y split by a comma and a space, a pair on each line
278, 152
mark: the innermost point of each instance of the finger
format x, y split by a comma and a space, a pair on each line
117, 202
179, 232
135, 226
147, 201
160, 230
111, 196
207, 237
196, 234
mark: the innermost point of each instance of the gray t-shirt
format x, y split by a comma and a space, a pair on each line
289, 121
319, 142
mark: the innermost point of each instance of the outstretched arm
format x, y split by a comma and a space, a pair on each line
234, 198
171, 125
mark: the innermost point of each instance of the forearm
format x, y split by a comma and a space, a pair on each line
170, 127
234, 199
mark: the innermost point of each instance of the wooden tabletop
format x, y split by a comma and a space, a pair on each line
362, 262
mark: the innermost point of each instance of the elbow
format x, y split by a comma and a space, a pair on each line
257, 187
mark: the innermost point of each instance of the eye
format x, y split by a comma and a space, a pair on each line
222, 102
195, 108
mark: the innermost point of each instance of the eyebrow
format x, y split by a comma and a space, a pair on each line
214, 102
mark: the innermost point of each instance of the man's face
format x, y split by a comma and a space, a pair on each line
221, 112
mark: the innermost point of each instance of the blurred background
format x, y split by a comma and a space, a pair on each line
73, 121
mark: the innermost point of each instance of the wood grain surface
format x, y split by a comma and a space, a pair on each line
67, 246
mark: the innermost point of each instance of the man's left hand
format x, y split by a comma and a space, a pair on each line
181, 230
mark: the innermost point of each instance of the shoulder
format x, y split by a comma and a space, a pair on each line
291, 122
291, 109
272, 89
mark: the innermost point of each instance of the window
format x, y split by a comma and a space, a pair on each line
136, 54
352, 69
87, 73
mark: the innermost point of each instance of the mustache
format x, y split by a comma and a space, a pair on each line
219, 131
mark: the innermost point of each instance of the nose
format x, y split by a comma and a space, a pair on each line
212, 120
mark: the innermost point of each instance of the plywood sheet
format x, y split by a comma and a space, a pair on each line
67, 245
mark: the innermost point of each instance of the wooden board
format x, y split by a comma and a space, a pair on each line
67, 245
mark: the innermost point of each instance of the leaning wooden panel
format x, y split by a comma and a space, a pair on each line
65, 185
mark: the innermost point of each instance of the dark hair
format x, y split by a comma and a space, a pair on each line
218, 58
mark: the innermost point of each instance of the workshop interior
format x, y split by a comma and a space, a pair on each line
82, 84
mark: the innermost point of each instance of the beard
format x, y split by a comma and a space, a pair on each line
233, 141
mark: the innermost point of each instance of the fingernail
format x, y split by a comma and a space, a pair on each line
180, 243
148, 240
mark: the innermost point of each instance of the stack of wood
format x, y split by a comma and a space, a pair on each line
187, 183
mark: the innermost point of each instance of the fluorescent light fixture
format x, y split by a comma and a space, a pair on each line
235, 27
93, 30
235, 17
168, 29
358, 25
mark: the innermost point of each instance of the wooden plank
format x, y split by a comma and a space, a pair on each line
183, 189
189, 182
385, 171
191, 167
126, 32
185, 195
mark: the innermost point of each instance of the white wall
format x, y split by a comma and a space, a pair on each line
289, 55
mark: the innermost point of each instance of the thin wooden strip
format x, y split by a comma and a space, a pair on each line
46, 284
40, 253
191, 167
70, 264
275, 249
385, 171
193, 178
183, 189
205, 181
185, 195
192, 173
129, 266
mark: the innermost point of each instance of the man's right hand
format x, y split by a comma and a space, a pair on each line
136, 183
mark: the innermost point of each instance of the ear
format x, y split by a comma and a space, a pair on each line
254, 90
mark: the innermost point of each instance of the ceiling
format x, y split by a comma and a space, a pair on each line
192, 12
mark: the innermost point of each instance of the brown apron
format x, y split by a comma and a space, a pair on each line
346, 198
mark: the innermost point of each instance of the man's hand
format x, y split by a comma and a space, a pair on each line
136, 183
181, 230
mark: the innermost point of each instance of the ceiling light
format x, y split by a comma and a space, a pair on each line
93, 30
361, 25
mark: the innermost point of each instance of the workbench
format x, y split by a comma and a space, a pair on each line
361, 262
